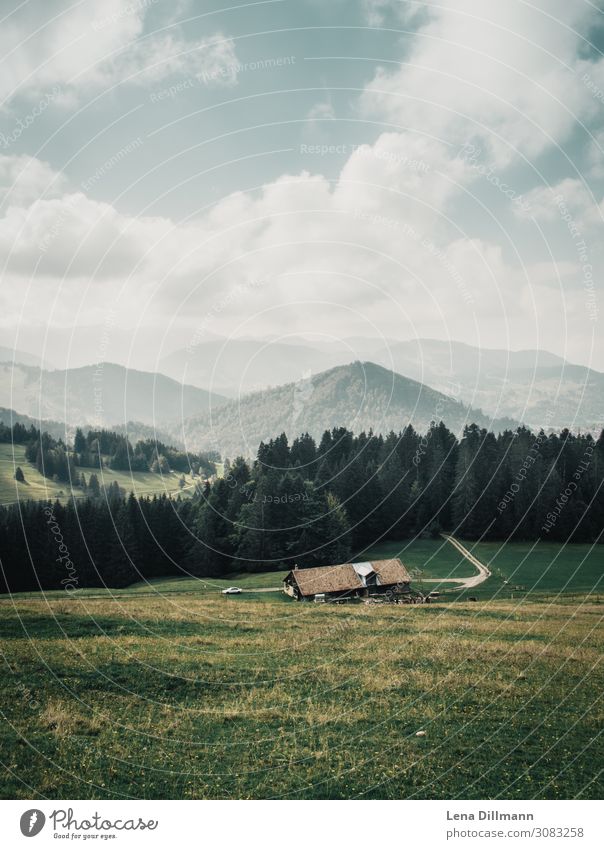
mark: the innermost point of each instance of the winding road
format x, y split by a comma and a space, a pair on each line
463, 583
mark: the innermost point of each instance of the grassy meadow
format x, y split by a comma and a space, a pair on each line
197, 696
38, 487
168, 689
542, 567
539, 569
173, 586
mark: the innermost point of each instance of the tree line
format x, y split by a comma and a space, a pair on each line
310, 504
99, 449
111, 541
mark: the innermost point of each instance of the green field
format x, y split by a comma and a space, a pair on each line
172, 690
541, 567
195, 696
430, 558
172, 586
38, 487
519, 570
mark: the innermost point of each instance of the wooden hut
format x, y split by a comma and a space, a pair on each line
348, 580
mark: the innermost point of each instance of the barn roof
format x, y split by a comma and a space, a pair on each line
345, 576
327, 579
391, 571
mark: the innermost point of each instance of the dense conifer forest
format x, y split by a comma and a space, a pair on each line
305, 503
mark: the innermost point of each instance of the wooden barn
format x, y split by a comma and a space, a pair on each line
348, 580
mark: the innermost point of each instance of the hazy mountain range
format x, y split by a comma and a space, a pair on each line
240, 366
101, 396
536, 387
9, 355
267, 377
359, 396
56, 429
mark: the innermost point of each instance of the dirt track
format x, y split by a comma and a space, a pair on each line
463, 583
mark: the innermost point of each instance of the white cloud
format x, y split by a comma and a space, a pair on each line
88, 46
376, 246
375, 11
382, 243
212, 59
569, 197
322, 111
23, 179
403, 172
378, 12
505, 72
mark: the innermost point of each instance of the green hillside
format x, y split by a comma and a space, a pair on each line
38, 487
360, 397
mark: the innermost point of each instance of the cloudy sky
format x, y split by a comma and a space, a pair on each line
183, 168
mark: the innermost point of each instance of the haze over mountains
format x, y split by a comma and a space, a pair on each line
535, 387
101, 396
9, 355
359, 396
239, 366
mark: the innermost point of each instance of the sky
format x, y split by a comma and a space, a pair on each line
176, 170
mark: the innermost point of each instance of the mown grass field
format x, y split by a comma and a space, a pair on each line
38, 487
195, 696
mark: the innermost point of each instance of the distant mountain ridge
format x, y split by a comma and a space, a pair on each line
10, 355
58, 430
359, 396
536, 387
101, 396
239, 366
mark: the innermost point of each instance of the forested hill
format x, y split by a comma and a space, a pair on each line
359, 396
8, 418
135, 431
104, 395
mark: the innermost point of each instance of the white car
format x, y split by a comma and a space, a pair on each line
231, 591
